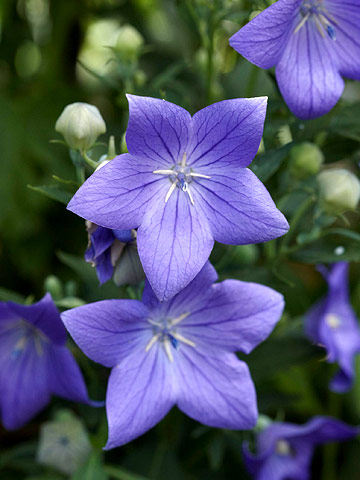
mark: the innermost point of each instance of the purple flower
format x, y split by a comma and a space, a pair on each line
333, 324
183, 185
312, 43
34, 361
178, 352
284, 450
114, 252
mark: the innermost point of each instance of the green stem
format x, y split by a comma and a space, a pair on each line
254, 73
210, 60
89, 161
80, 174
157, 460
330, 450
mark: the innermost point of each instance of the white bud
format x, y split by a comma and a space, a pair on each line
80, 124
339, 190
129, 42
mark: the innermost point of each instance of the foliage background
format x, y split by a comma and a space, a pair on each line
53, 53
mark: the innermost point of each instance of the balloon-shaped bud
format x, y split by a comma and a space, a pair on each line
305, 160
339, 190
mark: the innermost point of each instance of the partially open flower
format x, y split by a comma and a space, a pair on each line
64, 444
80, 124
339, 190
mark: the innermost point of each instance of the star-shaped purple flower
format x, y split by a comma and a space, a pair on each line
284, 450
312, 43
178, 352
34, 361
114, 252
332, 323
184, 184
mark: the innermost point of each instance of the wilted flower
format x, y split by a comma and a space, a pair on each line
35, 362
284, 450
80, 124
178, 352
305, 160
114, 250
312, 43
183, 185
339, 190
332, 323
64, 444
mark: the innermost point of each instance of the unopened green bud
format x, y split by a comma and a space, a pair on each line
53, 285
129, 42
80, 124
339, 190
305, 160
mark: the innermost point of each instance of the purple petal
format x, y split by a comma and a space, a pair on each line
64, 375
157, 130
117, 195
110, 330
307, 73
240, 210
174, 242
237, 316
23, 383
226, 134
140, 393
216, 390
262, 41
44, 315
101, 239
347, 45
104, 267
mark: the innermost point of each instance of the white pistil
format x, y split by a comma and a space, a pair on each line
164, 172
283, 447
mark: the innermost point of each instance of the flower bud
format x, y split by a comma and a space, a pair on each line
305, 160
80, 124
339, 190
129, 42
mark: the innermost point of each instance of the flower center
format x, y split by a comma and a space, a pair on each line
180, 175
165, 332
334, 321
283, 448
26, 334
316, 11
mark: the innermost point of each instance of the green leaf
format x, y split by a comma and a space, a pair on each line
66, 182
92, 470
10, 296
78, 265
266, 164
54, 192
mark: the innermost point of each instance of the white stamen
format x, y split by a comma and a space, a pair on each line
153, 340
183, 339
199, 175
170, 191
179, 319
164, 172
334, 321
183, 162
167, 346
302, 23
319, 26
190, 196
